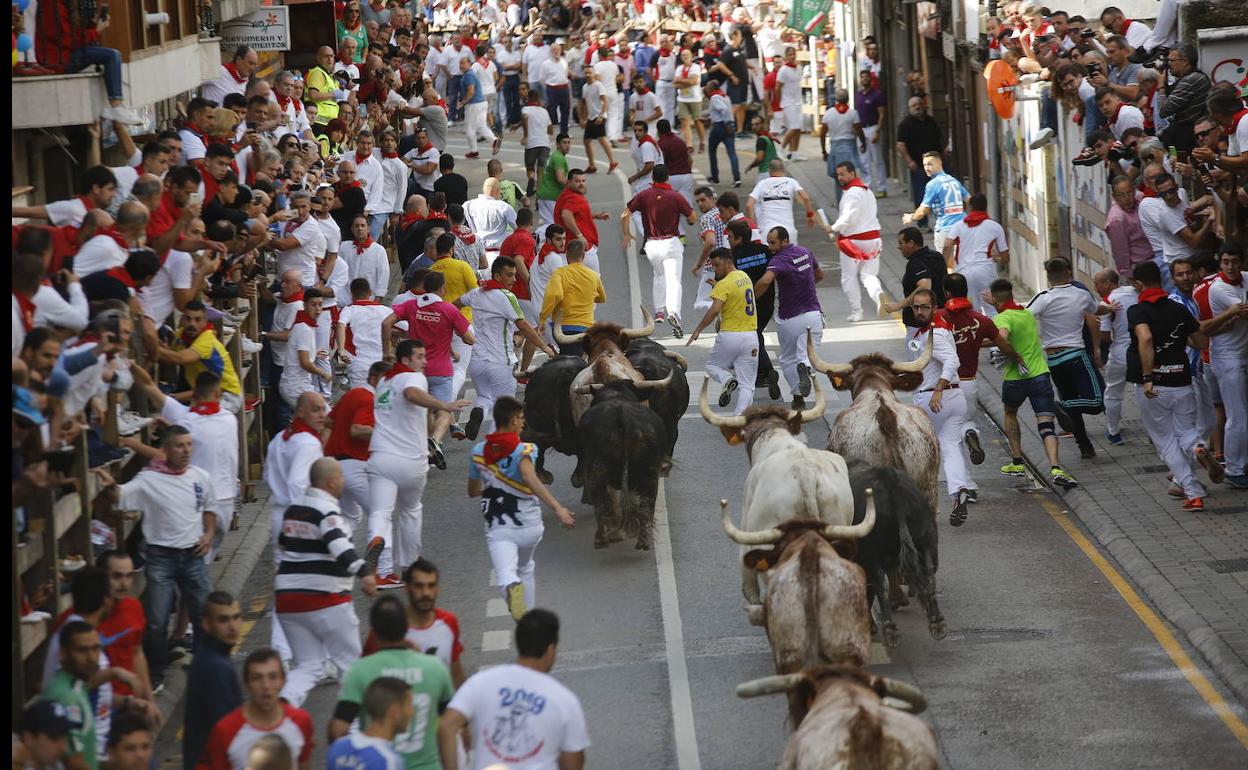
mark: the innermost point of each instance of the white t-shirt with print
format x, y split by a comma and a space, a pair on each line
172, 505
494, 316
537, 120
773, 203
976, 245
401, 426
791, 79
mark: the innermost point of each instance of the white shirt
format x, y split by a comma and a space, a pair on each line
223, 86
485, 76
666, 64
943, 365
172, 505
507, 698
372, 264
67, 212
391, 188
333, 236
1059, 311
304, 256
644, 107
340, 284
554, 72
369, 174
157, 298
841, 125
643, 153
214, 444
976, 245
532, 57
504, 59
690, 94
1150, 218
363, 323
99, 253
1232, 343
193, 148
283, 317
302, 337
539, 275
1170, 220
1116, 322
126, 176
401, 426
1237, 140
51, 309
607, 71
490, 218
773, 202
287, 465
420, 157
537, 120
1129, 116
768, 41
791, 79
494, 316
1137, 34
455, 55
593, 96
857, 213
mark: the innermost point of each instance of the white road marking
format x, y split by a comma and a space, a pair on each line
495, 608
495, 641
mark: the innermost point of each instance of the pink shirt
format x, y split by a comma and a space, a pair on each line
434, 321
1127, 242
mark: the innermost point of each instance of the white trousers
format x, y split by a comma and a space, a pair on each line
459, 371
511, 554
873, 170
295, 381
591, 261
969, 388
354, 500
765, 225
1206, 414
979, 276
277, 635
792, 333
329, 634
665, 258
476, 125
1233, 381
666, 92
948, 425
706, 283
223, 509
683, 184
865, 270
735, 354
492, 381
1170, 420
1165, 29
546, 212
615, 116
357, 372
1115, 386
396, 513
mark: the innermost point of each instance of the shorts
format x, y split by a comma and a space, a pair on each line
535, 157
691, 110
1038, 390
792, 117
596, 129
739, 93
440, 387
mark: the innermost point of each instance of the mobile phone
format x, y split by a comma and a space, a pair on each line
251, 126
1088, 33
104, 13
193, 198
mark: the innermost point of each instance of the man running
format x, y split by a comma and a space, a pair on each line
979, 246
572, 292
734, 359
795, 271
1116, 334
358, 332
676, 160
751, 258
771, 201
713, 236
573, 214
944, 197
857, 233
553, 179
351, 426
661, 208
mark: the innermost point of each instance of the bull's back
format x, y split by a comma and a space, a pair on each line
861, 734
800, 483
819, 618
880, 430
621, 434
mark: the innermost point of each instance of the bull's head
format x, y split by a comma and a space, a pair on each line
646, 330
899, 695
775, 535
850, 376
744, 427
643, 387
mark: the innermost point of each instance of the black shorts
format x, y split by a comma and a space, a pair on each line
738, 93
535, 157
596, 129
1038, 390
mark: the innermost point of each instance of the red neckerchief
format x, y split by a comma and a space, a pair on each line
361, 158
211, 186
296, 297
162, 466
368, 241
203, 137
841, 108
499, 445
389, 154
398, 368
120, 274
547, 248
344, 186
407, 220
713, 94
299, 426
365, 302
464, 234
115, 234
484, 62
208, 407
233, 70
426, 147
188, 340
954, 304
855, 182
973, 218
27, 309
540, 42
1126, 23
1147, 191
1226, 278
661, 186
303, 318
767, 134
1012, 305
490, 283
345, 60
647, 138
86, 201
1114, 118
1153, 295
1236, 118
685, 69
937, 322
794, 65
282, 101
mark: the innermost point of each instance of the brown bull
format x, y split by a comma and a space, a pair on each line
850, 719
605, 344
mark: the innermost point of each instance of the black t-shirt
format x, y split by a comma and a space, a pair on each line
735, 60
454, 187
100, 286
924, 263
1170, 324
920, 135
748, 41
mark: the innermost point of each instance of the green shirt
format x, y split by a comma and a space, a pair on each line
71, 692
511, 193
431, 691
1024, 335
549, 188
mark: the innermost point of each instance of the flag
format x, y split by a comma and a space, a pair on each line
808, 15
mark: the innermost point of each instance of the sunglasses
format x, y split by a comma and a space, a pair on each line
1206, 132
1167, 193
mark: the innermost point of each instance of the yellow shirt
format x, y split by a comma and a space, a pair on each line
574, 288
325, 83
213, 357
460, 278
736, 291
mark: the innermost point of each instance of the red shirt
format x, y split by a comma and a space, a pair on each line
520, 244
162, 220
433, 321
578, 204
769, 84
970, 329
354, 408
675, 154
439, 638
121, 636
64, 244
661, 208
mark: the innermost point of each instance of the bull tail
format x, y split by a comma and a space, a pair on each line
808, 569
910, 566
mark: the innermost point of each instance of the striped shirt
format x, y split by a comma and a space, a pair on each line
318, 563
1184, 101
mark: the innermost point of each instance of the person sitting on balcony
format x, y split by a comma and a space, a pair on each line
68, 42
234, 76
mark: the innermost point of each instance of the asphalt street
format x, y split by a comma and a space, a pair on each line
1044, 665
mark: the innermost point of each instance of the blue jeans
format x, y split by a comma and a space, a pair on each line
166, 569
918, 183
454, 88
1092, 118
108, 58
1048, 110
559, 106
1167, 278
511, 98
839, 151
377, 225
724, 133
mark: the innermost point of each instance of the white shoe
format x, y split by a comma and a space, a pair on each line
129, 423
795, 156
251, 347
1045, 137
1030, 77
123, 115
854, 317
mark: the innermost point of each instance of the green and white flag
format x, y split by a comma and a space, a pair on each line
808, 15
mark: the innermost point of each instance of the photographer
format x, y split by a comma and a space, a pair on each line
1184, 100
1122, 75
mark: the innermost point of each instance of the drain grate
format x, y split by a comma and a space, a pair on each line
1163, 468
998, 634
1228, 566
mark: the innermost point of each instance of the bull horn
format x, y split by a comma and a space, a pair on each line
704, 406
854, 531
567, 339
768, 685
907, 693
813, 352
586, 390
655, 384
743, 537
816, 411
917, 364
519, 375
647, 327
680, 360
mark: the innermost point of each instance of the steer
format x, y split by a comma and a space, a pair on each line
904, 537
850, 719
548, 408
604, 344
787, 479
621, 455
655, 363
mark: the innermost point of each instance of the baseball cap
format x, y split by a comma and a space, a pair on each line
47, 717
25, 407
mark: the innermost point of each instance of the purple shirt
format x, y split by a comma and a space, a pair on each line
794, 268
1127, 242
868, 104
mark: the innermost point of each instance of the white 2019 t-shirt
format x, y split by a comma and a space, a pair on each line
401, 426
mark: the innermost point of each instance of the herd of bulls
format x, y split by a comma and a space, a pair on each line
831, 533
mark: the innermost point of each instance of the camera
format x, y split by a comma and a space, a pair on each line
1119, 153
1087, 33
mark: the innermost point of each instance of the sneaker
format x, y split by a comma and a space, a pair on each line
879, 194
1214, 468
515, 601
435, 454
1194, 504
1087, 451
660, 316
1236, 482
973, 448
1060, 477
475, 417
773, 385
250, 347
957, 517
457, 432
736, 183
803, 379
1017, 470
1044, 138
373, 552
472, 155
798, 402
854, 317
389, 581
712, 181
972, 495
674, 322
498, 143
1087, 157
129, 423
1174, 490
795, 157
123, 115
1115, 438
725, 395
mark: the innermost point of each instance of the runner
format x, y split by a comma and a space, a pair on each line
350, 428
571, 294
857, 234
771, 201
944, 197
980, 251
734, 358
795, 271
358, 332
713, 236
1115, 332
553, 179
660, 208
572, 211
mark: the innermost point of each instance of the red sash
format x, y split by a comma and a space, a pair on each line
846, 244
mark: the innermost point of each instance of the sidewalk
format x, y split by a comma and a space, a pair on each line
1190, 567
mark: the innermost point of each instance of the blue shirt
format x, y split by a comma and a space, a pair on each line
472, 80
644, 56
946, 197
362, 752
217, 692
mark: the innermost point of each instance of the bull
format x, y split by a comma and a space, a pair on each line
604, 344
850, 719
904, 539
620, 459
655, 363
548, 419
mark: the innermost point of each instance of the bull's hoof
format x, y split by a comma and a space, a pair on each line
642, 545
754, 613
545, 476
600, 541
890, 635
937, 628
897, 600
